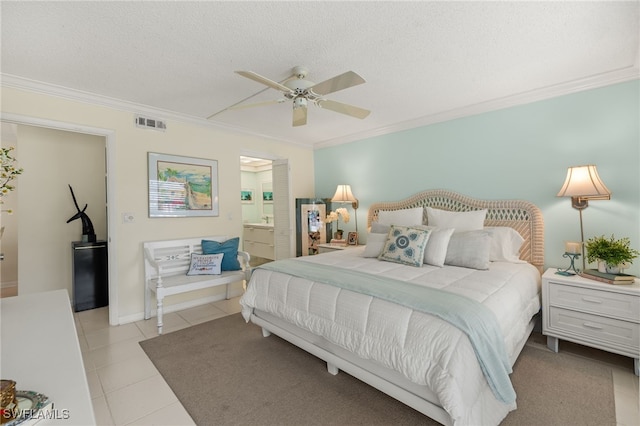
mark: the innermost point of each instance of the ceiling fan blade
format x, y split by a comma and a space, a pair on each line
260, 79
340, 82
257, 104
351, 110
299, 115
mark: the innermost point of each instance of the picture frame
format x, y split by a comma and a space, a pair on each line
352, 238
267, 196
267, 193
182, 186
247, 196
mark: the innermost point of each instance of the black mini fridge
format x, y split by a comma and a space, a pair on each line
90, 275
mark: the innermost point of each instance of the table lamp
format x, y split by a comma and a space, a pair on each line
583, 184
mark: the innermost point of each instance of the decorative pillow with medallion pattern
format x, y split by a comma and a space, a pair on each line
406, 245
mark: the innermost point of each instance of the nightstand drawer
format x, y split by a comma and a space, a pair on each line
618, 332
599, 302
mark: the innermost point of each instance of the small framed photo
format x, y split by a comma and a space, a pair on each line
352, 238
247, 196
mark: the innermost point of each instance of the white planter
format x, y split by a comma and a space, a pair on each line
602, 266
613, 269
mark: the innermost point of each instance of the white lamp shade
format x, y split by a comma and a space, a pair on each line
583, 182
343, 195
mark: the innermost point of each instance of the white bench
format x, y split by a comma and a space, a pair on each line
166, 264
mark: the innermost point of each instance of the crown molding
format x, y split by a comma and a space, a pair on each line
592, 82
16, 82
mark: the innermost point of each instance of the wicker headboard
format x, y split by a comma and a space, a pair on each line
523, 216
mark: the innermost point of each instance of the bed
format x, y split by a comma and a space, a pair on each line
440, 335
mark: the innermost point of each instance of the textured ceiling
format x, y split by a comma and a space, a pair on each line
423, 61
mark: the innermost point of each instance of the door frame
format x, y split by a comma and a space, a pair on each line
110, 145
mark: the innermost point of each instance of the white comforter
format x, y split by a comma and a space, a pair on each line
425, 349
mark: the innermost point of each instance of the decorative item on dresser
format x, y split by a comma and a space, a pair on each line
592, 313
612, 255
572, 251
583, 184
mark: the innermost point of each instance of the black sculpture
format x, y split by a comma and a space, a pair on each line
88, 234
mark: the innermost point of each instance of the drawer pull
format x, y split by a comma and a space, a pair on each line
591, 325
591, 299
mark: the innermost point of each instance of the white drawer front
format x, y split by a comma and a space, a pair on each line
618, 305
258, 235
259, 249
596, 328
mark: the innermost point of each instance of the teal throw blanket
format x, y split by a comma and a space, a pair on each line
471, 317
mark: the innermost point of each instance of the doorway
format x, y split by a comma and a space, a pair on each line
266, 182
107, 182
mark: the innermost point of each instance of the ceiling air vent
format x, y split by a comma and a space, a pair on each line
150, 123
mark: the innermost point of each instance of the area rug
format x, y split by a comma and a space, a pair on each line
225, 373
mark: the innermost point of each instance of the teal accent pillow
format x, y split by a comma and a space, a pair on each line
405, 245
230, 250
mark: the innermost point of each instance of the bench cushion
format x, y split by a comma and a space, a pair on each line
230, 250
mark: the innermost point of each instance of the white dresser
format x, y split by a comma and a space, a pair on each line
600, 315
40, 351
258, 241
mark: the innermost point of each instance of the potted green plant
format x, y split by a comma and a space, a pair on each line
610, 253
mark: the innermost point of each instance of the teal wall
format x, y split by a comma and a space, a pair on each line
521, 152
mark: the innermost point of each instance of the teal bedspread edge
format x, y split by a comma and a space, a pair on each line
471, 317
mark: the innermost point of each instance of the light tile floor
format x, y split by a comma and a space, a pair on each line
125, 386
127, 389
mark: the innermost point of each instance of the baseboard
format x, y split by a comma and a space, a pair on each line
233, 292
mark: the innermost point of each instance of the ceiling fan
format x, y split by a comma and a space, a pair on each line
302, 92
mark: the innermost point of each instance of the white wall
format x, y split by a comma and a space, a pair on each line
131, 145
52, 160
521, 152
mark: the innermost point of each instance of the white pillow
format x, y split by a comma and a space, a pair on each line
460, 221
505, 244
378, 228
469, 249
375, 244
205, 264
437, 245
404, 217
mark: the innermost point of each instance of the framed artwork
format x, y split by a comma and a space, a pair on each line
267, 193
182, 186
352, 238
247, 196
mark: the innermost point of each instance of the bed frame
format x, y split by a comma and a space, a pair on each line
523, 216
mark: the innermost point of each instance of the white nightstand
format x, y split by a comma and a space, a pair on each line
328, 247
600, 315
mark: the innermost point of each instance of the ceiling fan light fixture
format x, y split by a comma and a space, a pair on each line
299, 102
